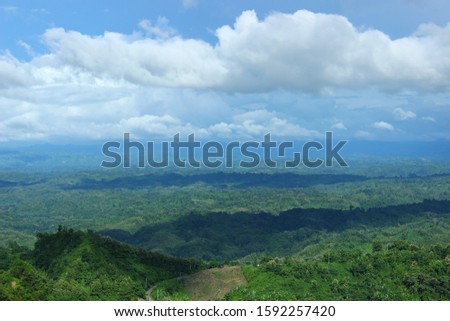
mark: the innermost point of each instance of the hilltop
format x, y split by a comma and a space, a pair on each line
76, 265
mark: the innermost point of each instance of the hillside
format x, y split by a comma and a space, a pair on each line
223, 236
39, 202
75, 265
398, 271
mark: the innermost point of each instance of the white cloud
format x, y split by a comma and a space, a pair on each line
172, 62
429, 118
363, 134
189, 3
40, 11
339, 125
401, 114
13, 73
159, 30
8, 9
28, 49
312, 52
152, 126
383, 125
257, 123
26, 126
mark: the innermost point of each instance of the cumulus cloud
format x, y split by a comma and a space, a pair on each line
257, 123
173, 62
401, 114
383, 125
13, 73
243, 125
312, 52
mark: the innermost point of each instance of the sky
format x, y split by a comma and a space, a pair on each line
79, 71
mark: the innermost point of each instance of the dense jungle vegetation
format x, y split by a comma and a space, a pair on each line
379, 230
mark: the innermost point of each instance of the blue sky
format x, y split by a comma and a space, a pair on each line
77, 71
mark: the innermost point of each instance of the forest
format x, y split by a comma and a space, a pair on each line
379, 230
223, 237
75, 265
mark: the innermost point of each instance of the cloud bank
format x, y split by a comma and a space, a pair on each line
99, 86
303, 51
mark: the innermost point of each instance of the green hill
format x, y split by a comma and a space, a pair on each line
400, 271
395, 271
75, 265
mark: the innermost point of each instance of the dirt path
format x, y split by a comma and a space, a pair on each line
149, 294
211, 284
214, 284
